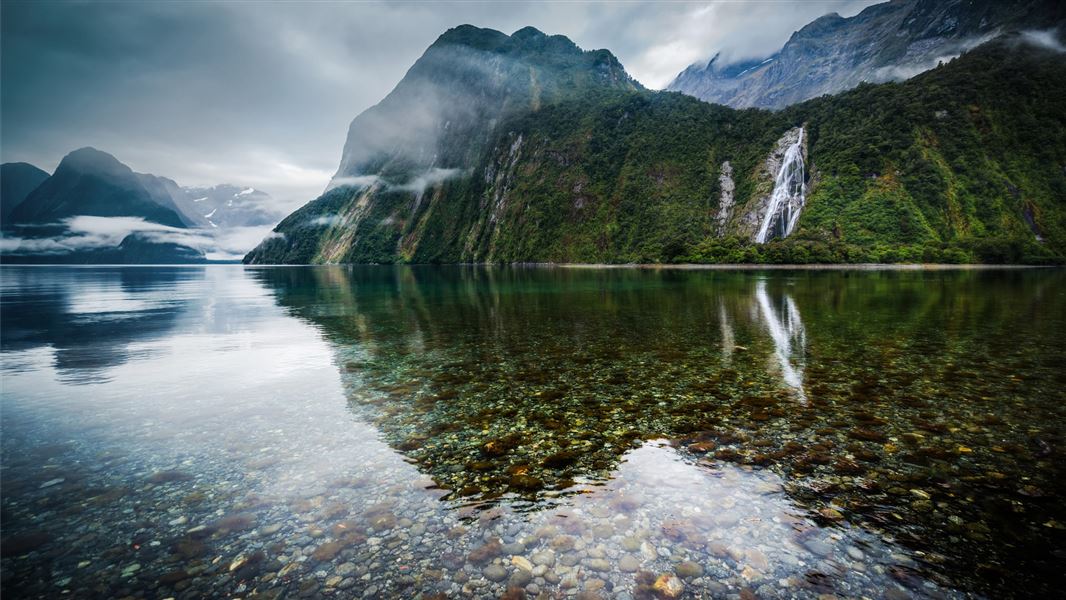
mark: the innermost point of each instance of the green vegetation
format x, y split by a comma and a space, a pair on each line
965, 163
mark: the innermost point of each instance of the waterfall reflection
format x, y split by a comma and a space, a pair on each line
787, 332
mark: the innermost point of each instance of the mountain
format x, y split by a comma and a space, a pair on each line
962, 163
94, 183
453, 96
17, 180
90, 199
96, 209
438, 124
885, 42
231, 206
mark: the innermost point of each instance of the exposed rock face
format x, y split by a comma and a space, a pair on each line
725, 200
885, 42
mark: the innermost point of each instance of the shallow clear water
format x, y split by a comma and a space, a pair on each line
472, 432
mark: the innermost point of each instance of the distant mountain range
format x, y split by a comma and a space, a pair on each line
525, 148
891, 41
231, 206
96, 209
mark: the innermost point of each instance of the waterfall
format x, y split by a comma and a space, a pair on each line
786, 202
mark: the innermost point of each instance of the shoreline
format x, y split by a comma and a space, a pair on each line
638, 266
807, 267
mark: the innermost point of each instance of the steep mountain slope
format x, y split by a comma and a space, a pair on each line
972, 154
231, 206
964, 163
439, 115
17, 180
885, 42
94, 183
95, 209
438, 123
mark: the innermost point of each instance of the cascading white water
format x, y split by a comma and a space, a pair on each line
787, 199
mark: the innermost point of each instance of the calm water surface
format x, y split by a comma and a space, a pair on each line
471, 432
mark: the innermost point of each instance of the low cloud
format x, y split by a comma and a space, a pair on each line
1047, 38
359, 181
325, 221
428, 179
416, 185
96, 233
950, 51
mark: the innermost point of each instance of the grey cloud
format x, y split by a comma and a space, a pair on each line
359, 181
325, 221
1047, 39
416, 185
261, 94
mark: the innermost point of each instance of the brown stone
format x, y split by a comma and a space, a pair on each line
326, 552
487, 552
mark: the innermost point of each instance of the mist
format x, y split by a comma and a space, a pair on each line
95, 233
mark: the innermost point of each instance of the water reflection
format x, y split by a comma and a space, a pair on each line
879, 406
89, 320
786, 329
467, 431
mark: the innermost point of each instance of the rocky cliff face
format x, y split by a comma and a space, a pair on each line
726, 199
885, 42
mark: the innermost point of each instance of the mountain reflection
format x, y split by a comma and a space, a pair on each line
517, 383
90, 318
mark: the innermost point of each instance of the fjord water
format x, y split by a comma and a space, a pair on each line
475, 432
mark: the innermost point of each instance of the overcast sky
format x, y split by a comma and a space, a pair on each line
261, 94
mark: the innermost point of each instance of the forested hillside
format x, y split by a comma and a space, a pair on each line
965, 163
